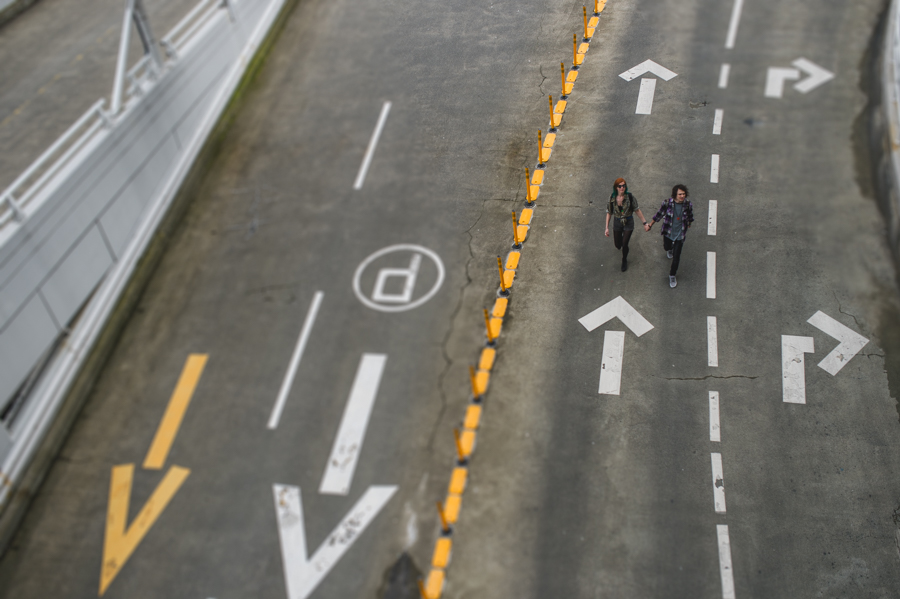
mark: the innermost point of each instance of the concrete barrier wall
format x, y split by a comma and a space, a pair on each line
86, 229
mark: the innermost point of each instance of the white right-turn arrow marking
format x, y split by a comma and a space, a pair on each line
817, 75
793, 369
775, 79
850, 342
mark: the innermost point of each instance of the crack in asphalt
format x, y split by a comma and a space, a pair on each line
841, 310
712, 376
448, 361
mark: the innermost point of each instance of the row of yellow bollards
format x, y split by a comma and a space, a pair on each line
479, 376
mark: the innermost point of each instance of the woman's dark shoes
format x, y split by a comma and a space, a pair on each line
624, 264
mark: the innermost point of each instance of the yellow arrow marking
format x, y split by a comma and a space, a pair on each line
178, 405
119, 544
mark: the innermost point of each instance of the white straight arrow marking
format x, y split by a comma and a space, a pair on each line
648, 66
817, 75
793, 373
302, 574
616, 308
775, 79
611, 367
645, 97
349, 440
850, 342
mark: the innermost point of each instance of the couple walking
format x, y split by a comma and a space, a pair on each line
676, 213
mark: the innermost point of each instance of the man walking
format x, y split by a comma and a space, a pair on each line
677, 214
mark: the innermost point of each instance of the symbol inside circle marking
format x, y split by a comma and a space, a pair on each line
394, 287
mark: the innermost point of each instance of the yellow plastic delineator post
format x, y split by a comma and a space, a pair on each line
460, 450
444, 525
515, 230
555, 119
476, 393
576, 59
503, 289
527, 186
487, 327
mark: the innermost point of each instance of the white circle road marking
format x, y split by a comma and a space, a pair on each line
409, 247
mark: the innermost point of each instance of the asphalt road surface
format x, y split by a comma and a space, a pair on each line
691, 476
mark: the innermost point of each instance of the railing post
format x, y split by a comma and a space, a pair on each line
116, 103
226, 4
17, 212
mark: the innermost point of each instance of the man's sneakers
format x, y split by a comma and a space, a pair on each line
669, 256
672, 281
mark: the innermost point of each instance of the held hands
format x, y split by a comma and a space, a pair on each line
647, 226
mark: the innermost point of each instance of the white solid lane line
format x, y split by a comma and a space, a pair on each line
710, 275
723, 75
725, 561
295, 361
712, 340
717, 123
611, 367
718, 478
349, 440
713, 216
364, 167
645, 97
714, 169
714, 428
733, 25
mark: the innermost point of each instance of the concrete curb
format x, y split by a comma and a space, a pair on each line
94, 355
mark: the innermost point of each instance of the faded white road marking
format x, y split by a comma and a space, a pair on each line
724, 72
645, 97
793, 372
710, 275
616, 308
725, 570
718, 478
295, 361
348, 442
367, 159
776, 78
712, 341
714, 169
611, 367
713, 216
302, 574
714, 428
717, 122
850, 344
733, 25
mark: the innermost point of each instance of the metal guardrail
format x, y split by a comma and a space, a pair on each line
18, 200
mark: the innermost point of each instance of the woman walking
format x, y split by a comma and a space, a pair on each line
677, 214
621, 208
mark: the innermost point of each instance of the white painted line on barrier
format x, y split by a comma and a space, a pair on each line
295, 361
364, 167
349, 440
793, 369
302, 573
645, 97
713, 217
725, 561
714, 169
718, 478
611, 367
710, 275
733, 25
724, 72
717, 122
715, 433
712, 341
